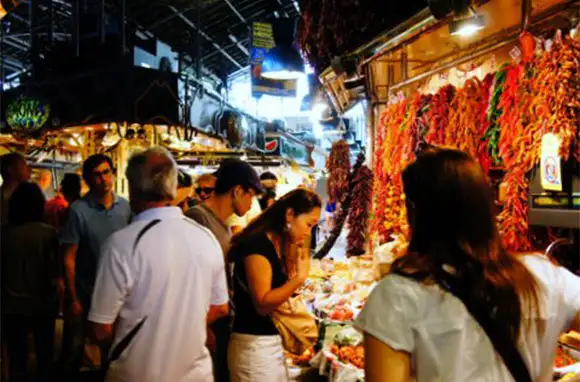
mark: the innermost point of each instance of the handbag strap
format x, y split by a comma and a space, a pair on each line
500, 339
246, 289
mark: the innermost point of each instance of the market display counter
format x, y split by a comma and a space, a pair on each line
336, 292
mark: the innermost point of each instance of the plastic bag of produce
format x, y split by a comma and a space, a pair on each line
388, 252
348, 337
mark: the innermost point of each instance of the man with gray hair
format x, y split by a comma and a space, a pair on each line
160, 280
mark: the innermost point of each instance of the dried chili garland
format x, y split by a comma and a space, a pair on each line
540, 98
463, 130
493, 113
359, 211
438, 115
483, 155
500, 120
397, 137
338, 166
342, 214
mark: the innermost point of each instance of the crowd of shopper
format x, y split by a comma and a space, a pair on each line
169, 292
95, 258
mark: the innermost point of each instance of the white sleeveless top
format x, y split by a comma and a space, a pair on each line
448, 345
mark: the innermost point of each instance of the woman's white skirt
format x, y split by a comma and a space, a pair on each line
256, 359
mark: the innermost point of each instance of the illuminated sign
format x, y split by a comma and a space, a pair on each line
550, 169
26, 114
262, 40
286, 148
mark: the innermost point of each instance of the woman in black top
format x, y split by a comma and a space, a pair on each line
268, 270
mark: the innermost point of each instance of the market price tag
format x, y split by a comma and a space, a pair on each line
550, 169
493, 63
516, 54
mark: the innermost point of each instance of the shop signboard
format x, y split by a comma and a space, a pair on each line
261, 42
27, 115
289, 149
550, 170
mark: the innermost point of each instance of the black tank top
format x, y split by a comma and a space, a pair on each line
247, 320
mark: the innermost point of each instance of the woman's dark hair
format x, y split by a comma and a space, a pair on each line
26, 204
451, 214
71, 186
273, 219
266, 197
93, 162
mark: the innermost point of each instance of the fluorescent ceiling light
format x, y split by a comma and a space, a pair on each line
466, 27
318, 111
282, 75
283, 63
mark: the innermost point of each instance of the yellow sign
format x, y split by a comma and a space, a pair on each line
550, 169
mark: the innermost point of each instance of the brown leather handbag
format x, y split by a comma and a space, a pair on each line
295, 325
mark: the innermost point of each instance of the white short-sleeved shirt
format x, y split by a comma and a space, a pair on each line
448, 345
158, 293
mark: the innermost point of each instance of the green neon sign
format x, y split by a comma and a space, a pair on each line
27, 114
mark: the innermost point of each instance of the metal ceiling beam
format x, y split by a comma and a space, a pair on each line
159, 23
20, 41
215, 52
235, 10
204, 35
15, 45
12, 62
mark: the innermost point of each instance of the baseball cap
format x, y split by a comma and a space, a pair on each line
183, 179
235, 172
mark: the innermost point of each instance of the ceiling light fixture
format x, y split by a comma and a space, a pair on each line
318, 111
466, 26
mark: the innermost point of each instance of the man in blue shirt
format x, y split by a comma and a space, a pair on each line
90, 222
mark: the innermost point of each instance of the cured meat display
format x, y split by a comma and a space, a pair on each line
499, 120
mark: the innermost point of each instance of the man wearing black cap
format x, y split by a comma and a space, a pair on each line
237, 184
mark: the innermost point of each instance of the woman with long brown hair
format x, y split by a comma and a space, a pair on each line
269, 268
458, 307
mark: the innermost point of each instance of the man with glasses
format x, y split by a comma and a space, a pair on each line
205, 186
91, 220
237, 184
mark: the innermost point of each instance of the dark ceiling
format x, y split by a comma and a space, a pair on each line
222, 27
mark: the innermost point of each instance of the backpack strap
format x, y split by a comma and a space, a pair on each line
143, 231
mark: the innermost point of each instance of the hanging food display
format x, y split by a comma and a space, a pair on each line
493, 114
438, 115
359, 211
464, 129
338, 166
499, 120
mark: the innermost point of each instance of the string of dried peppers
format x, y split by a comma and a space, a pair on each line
500, 120
338, 166
463, 129
543, 97
493, 113
438, 115
358, 217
